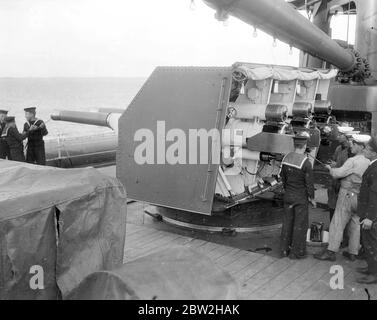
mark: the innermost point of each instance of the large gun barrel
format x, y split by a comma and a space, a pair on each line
101, 119
282, 21
112, 110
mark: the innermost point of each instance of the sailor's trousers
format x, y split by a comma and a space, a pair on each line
345, 214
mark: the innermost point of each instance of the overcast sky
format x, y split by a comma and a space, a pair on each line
53, 38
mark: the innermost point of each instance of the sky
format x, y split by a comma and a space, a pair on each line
124, 38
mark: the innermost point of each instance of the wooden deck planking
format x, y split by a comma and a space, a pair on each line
142, 234
130, 231
352, 289
259, 276
245, 274
152, 246
228, 258
142, 240
219, 251
321, 288
371, 288
263, 276
183, 241
282, 280
143, 243
303, 282
317, 290
196, 243
207, 248
243, 262
361, 294
157, 237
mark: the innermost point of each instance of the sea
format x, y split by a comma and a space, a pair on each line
78, 94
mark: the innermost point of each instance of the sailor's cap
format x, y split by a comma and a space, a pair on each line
301, 138
345, 130
303, 135
30, 109
350, 134
3, 111
361, 138
9, 119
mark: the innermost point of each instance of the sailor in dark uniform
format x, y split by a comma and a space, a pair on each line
35, 151
341, 154
14, 140
297, 177
367, 211
4, 150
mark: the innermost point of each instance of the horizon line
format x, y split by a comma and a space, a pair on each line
66, 77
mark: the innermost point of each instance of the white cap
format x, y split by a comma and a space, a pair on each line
361, 138
350, 135
304, 134
345, 129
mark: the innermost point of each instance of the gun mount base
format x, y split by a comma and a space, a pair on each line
256, 216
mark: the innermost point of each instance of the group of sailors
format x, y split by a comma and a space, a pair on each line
352, 201
11, 140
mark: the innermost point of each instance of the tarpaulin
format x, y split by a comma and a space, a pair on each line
243, 72
69, 222
177, 273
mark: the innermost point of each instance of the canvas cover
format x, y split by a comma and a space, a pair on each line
243, 72
71, 222
177, 273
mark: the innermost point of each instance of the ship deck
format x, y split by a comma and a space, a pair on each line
260, 274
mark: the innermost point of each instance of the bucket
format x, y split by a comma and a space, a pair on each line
314, 247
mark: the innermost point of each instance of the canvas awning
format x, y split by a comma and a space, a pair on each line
71, 222
243, 72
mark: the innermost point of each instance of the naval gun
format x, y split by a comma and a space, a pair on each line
224, 131
104, 118
99, 149
205, 139
244, 115
353, 96
283, 22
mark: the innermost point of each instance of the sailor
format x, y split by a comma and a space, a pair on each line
345, 212
341, 154
367, 211
14, 140
4, 150
297, 177
35, 151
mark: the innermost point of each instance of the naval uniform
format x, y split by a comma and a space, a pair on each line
367, 208
4, 150
35, 152
14, 140
297, 177
345, 212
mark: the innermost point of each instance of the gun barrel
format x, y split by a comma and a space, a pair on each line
112, 110
101, 119
282, 21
